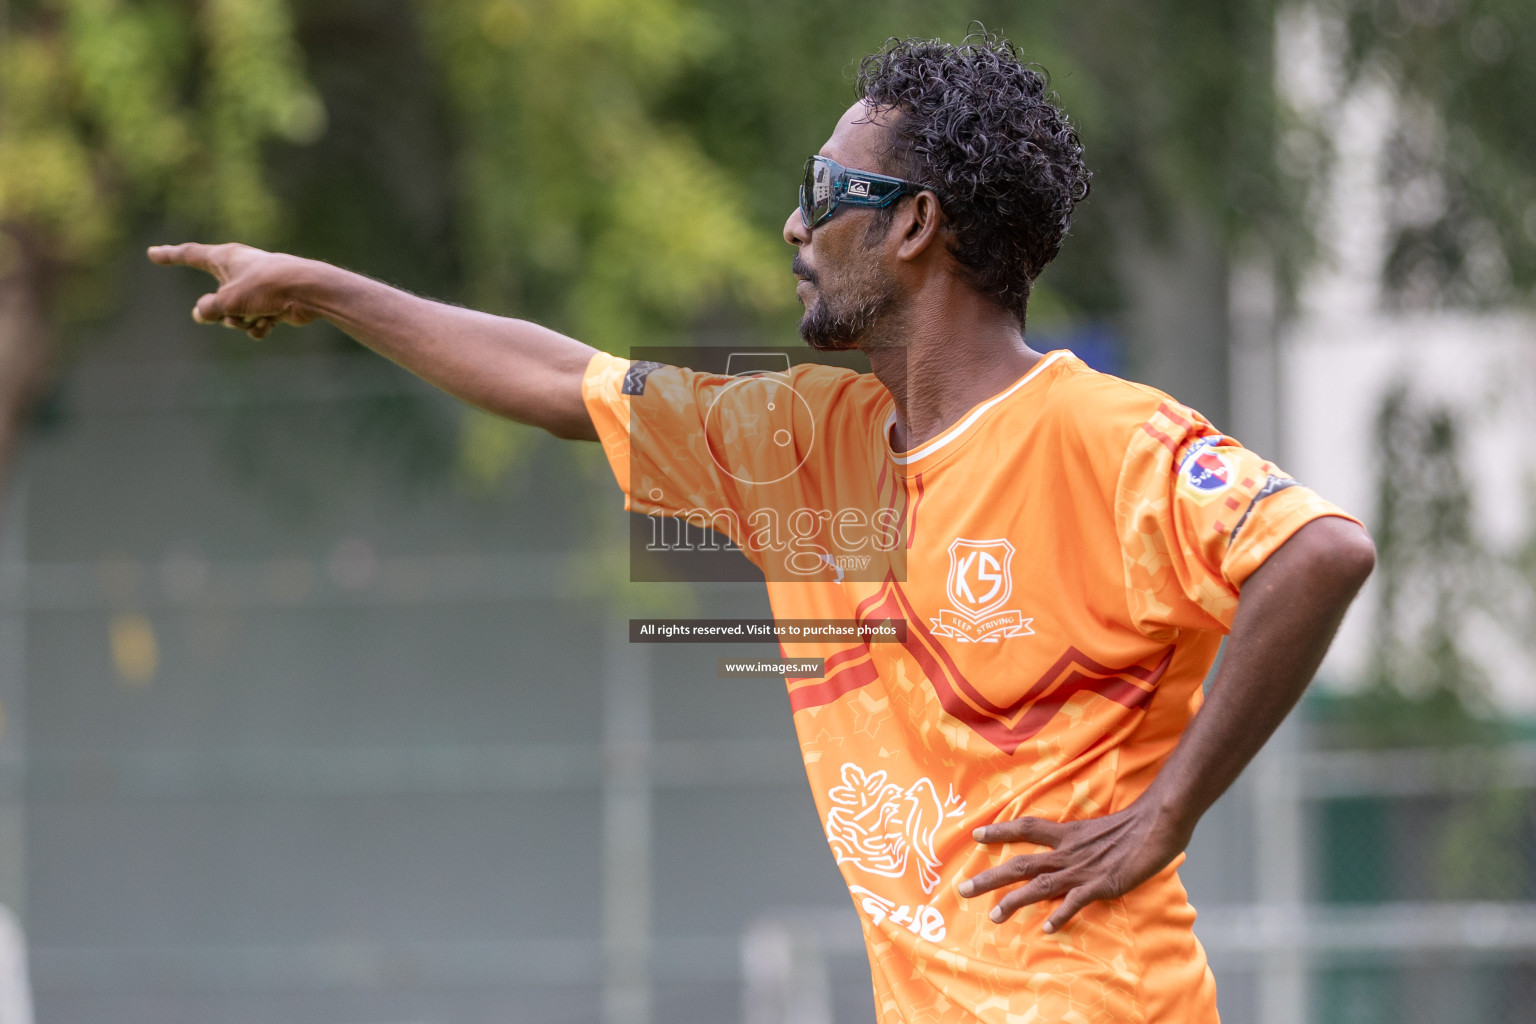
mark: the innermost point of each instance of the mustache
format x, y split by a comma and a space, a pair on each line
802, 269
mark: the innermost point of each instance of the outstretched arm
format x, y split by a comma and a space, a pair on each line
1286, 616
509, 367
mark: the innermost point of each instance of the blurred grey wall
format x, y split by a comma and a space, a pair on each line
317, 734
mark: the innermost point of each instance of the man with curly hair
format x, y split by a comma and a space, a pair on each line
1063, 550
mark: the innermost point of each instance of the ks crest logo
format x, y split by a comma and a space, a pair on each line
979, 584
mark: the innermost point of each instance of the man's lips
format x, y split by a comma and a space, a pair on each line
802, 272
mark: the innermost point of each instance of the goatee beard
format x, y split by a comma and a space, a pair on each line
829, 331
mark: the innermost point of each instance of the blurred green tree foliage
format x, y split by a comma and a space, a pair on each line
1432, 567
625, 166
620, 169
110, 109
580, 205
1439, 587
1463, 156
627, 163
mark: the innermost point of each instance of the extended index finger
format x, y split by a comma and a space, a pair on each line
1022, 830
187, 254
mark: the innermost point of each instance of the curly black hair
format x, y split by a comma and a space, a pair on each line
978, 125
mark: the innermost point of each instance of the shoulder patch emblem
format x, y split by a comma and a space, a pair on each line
1205, 473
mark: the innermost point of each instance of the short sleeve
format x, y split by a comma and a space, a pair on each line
1197, 513
704, 447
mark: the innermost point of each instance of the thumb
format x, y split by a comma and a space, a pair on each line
210, 309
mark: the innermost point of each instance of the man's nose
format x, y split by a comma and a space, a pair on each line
795, 231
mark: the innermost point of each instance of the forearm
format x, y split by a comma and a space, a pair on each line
509, 367
1287, 614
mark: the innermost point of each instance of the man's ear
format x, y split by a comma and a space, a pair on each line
921, 225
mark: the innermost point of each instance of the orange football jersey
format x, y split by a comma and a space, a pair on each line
1066, 558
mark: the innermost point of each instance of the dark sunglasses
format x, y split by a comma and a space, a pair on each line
828, 185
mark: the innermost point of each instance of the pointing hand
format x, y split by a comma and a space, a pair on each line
256, 288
